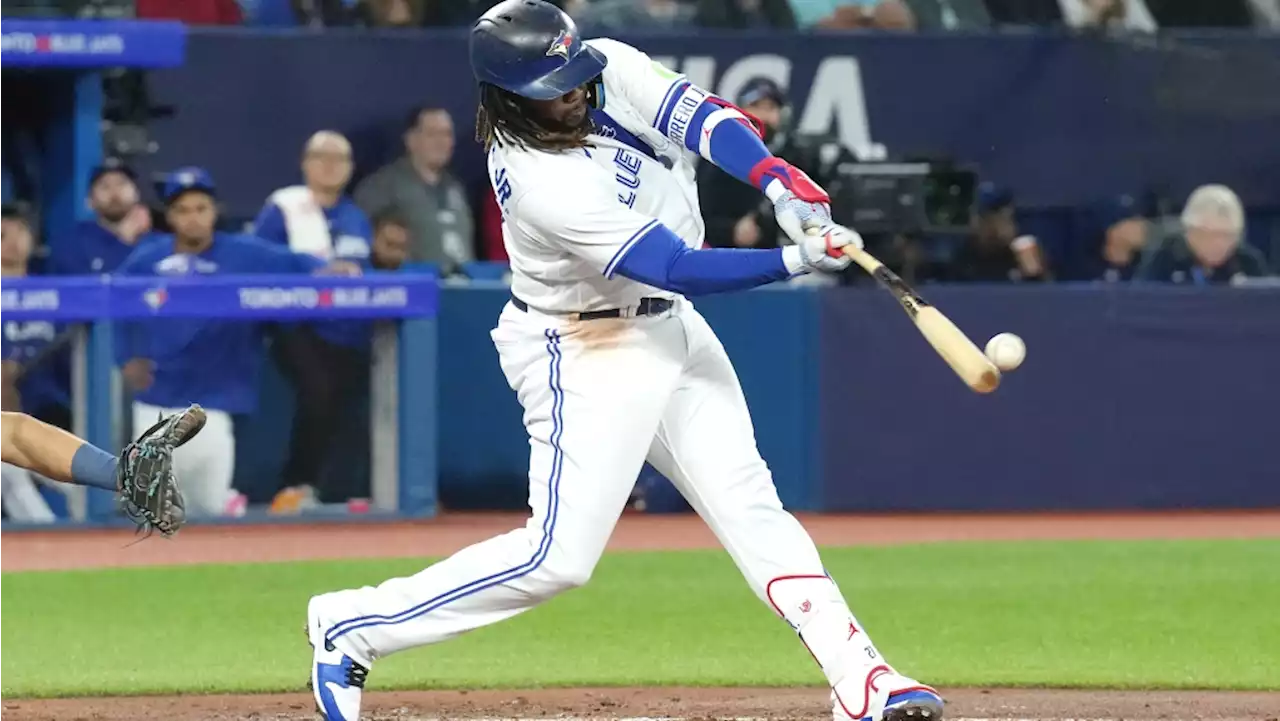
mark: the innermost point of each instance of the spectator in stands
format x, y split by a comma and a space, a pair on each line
1132, 15
1124, 233
1210, 248
995, 252
169, 363
854, 14
1111, 15
326, 362
26, 384
736, 214
390, 242
745, 14
420, 187
391, 13
120, 222
191, 12
308, 13
934, 15
615, 15
1201, 14
1266, 14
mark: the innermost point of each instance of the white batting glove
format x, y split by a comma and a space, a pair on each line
821, 249
794, 214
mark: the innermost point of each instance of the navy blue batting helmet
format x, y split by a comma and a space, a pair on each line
533, 49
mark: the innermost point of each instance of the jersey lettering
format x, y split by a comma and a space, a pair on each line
628, 175
682, 115
502, 188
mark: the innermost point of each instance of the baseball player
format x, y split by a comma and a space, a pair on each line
142, 475
591, 153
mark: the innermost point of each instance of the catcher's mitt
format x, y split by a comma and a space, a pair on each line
148, 491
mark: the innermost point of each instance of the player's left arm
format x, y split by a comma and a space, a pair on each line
717, 130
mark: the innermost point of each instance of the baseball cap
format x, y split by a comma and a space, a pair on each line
992, 197
111, 165
1121, 207
187, 179
758, 89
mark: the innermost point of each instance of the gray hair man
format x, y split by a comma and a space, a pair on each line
1209, 248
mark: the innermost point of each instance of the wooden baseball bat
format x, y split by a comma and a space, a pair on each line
965, 358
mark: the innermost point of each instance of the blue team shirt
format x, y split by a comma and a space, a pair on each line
352, 241
47, 384
211, 362
90, 249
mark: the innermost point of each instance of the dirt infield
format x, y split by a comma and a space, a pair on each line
247, 543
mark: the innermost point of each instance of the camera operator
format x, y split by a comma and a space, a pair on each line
736, 214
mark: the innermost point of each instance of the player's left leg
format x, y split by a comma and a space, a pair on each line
706, 446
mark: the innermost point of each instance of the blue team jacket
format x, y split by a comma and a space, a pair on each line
352, 241
44, 385
211, 362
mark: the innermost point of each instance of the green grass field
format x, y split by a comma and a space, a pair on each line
1196, 614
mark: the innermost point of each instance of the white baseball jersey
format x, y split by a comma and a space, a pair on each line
603, 396
569, 216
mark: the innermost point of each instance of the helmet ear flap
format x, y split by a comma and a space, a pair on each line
595, 93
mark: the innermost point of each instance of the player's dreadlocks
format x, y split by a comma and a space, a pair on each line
502, 118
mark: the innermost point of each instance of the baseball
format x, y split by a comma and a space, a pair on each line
1006, 350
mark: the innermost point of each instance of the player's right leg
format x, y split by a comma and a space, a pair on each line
592, 397
706, 447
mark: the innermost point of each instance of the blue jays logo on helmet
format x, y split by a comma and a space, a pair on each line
561, 46
533, 49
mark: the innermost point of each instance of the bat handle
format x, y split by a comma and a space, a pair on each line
868, 261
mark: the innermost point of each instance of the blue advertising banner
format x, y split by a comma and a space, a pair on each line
93, 43
1130, 397
228, 297
1063, 120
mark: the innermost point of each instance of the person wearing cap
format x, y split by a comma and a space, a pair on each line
328, 362
120, 222
995, 252
171, 363
736, 215
1209, 249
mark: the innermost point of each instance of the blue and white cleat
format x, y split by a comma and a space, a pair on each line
337, 680
886, 695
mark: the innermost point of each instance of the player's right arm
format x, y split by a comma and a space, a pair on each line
619, 241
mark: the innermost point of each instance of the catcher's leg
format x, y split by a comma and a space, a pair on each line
54, 453
706, 446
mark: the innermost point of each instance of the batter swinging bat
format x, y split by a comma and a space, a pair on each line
952, 344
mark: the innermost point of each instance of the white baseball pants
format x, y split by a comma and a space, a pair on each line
600, 397
204, 465
22, 500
